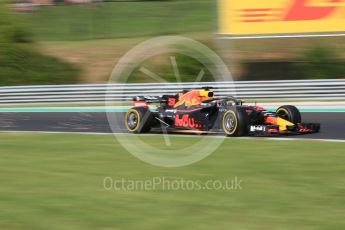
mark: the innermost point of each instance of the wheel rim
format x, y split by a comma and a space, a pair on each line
230, 122
283, 114
132, 120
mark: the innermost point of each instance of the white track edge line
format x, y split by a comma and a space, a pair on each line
181, 135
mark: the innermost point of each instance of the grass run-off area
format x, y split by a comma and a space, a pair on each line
55, 181
123, 19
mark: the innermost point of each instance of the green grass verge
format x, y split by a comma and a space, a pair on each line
24, 65
21, 62
122, 19
55, 181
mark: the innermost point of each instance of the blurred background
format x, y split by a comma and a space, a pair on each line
80, 41
55, 181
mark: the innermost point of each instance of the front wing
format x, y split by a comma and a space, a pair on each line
273, 130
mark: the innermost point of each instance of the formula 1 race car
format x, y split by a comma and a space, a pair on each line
199, 110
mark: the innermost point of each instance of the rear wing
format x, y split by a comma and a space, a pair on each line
148, 99
165, 100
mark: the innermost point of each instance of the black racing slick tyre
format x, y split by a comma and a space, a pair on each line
235, 122
290, 113
138, 120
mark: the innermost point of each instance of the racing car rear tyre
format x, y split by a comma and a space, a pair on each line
138, 120
235, 122
290, 113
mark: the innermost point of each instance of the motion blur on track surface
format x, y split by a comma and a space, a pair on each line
332, 124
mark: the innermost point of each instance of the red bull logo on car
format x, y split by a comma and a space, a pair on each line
194, 97
186, 121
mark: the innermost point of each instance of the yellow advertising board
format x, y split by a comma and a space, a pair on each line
281, 17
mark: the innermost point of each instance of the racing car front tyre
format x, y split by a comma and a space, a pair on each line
235, 122
138, 120
290, 113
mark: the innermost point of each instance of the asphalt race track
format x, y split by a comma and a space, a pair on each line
332, 124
